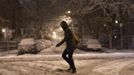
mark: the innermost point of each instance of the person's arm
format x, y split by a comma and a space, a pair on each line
66, 38
60, 43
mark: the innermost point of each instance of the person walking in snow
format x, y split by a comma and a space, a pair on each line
71, 43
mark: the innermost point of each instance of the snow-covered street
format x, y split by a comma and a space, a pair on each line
91, 63
66, 37
84, 67
56, 57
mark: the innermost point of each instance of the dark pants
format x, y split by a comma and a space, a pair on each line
67, 55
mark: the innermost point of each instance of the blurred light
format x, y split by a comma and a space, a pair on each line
60, 38
69, 12
59, 29
105, 25
116, 21
115, 37
54, 35
3, 30
121, 25
68, 19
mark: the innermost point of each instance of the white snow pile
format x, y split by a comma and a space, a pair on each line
29, 45
42, 44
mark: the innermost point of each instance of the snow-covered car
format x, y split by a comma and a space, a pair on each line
29, 45
42, 44
90, 45
26, 45
93, 44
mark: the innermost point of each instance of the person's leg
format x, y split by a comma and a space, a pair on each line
71, 61
64, 56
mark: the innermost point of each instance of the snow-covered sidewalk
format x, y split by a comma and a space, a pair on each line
53, 57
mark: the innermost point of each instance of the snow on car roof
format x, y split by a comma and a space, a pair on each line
27, 41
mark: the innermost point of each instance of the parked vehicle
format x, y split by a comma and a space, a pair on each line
93, 44
27, 45
90, 45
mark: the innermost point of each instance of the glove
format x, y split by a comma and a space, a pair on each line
57, 45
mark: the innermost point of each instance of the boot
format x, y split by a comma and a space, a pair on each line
73, 71
69, 69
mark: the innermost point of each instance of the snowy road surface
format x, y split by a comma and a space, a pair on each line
87, 64
84, 67
81, 56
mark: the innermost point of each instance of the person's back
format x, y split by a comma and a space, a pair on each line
68, 38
